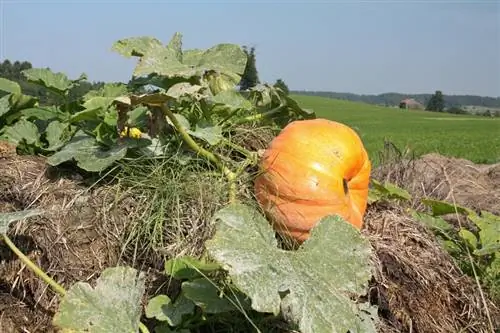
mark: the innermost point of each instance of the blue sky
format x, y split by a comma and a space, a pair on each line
367, 47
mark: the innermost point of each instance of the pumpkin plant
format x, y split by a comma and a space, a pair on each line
312, 169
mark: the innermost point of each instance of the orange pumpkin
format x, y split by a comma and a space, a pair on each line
313, 168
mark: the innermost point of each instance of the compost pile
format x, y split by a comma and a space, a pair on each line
416, 285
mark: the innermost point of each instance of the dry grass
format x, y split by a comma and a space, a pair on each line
160, 211
417, 284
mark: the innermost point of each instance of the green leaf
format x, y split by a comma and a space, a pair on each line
224, 57
433, 222
21, 101
57, 82
175, 44
88, 114
137, 117
210, 133
312, 286
98, 102
9, 86
188, 267
136, 46
192, 57
55, 135
390, 191
489, 233
232, 100
162, 61
442, 207
469, 237
206, 295
4, 105
88, 154
108, 90
22, 130
114, 305
162, 308
183, 88
45, 113
7, 218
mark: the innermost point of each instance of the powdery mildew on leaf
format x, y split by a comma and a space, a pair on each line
311, 286
7, 218
114, 305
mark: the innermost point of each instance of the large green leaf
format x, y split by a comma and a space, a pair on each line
162, 308
228, 58
312, 286
88, 154
114, 305
163, 61
9, 86
22, 130
136, 46
55, 135
489, 233
207, 296
45, 113
188, 267
442, 207
7, 218
58, 82
4, 105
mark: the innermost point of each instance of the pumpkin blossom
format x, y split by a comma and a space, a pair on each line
312, 169
132, 132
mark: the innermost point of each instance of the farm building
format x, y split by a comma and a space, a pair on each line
410, 103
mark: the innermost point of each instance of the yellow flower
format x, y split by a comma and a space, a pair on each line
133, 132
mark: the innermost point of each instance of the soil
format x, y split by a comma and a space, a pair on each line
417, 286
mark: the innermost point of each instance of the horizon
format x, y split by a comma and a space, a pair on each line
362, 48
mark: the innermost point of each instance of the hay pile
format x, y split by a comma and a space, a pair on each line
471, 185
416, 285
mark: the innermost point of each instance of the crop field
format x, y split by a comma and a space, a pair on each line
195, 207
471, 137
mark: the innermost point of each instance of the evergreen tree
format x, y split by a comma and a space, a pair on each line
436, 102
282, 85
250, 77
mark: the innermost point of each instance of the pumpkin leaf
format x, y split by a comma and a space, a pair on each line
114, 305
7, 218
311, 287
162, 308
439, 207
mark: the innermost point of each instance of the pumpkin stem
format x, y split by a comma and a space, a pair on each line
346, 188
230, 175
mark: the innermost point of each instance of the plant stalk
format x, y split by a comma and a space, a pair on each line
259, 116
47, 279
231, 176
31, 265
143, 328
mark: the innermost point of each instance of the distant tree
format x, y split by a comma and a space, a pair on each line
436, 102
282, 85
250, 77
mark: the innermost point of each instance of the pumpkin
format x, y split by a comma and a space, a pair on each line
313, 168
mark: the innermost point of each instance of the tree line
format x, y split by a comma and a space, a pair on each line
12, 70
393, 99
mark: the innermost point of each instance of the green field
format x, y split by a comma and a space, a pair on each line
472, 137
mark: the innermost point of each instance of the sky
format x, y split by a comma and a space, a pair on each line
364, 47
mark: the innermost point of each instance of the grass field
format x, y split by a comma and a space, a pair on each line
472, 137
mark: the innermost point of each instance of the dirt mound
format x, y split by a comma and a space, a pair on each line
446, 178
417, 286
74, 240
